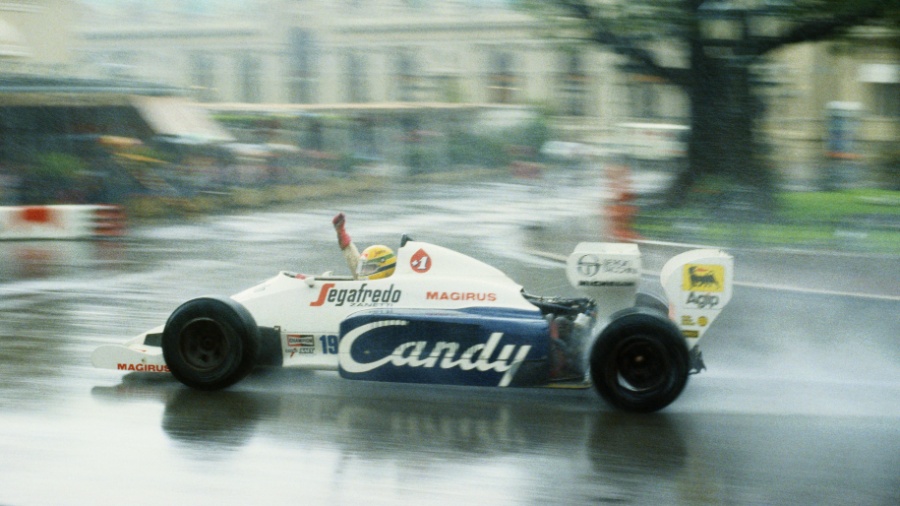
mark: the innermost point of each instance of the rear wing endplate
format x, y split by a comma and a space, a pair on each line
698, 285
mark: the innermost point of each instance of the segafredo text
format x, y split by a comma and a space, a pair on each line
443, 354
362, 296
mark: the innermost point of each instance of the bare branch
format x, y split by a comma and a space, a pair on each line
602, 33
822, 29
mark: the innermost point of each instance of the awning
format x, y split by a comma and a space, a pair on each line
12, 44
176, 117
884, 73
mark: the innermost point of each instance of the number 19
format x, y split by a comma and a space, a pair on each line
329, 344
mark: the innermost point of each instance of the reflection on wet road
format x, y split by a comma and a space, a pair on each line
800, 406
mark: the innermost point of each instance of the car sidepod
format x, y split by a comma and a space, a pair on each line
475, 347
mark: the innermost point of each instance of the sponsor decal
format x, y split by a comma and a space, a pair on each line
301, 343
702, 300
590, 265
688, 321
462, 296
704, 278
420, 262
142, 367
606, 283
483, 357
361, 296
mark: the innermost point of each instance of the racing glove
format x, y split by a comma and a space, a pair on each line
343, 237
351, 254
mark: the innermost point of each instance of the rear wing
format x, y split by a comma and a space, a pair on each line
698, 285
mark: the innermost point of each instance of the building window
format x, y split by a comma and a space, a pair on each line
885, 99
356, 79
883, 86
644, 96
301, 67
407, 78
502, 83
449, 88
249, 79
203, 83
574, 86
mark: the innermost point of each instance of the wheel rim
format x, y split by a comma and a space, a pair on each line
204, 344
641, 364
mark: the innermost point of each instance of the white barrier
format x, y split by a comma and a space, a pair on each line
61, 222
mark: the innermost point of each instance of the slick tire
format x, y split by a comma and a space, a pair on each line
652, 301
210, 343
640, 361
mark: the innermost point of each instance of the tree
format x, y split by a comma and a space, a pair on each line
716, 75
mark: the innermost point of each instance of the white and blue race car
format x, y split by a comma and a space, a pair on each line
446, 318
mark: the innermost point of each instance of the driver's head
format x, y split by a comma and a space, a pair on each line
376, 262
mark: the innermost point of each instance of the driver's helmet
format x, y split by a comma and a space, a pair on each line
376, 262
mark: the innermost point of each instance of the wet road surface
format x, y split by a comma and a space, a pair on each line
800, 405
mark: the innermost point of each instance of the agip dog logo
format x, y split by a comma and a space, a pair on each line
703, 278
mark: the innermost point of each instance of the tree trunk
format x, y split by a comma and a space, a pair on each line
726, 170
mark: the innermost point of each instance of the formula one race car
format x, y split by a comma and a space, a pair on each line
445, 318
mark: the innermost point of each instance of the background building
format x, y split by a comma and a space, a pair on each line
473, 52
349, 52
36, 36
839, 100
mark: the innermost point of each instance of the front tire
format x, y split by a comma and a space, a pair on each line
210, 343
640, 361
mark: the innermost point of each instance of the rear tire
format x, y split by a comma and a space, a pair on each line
652, 301
640, 361
210, 343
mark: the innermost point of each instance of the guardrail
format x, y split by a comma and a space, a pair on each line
61, 222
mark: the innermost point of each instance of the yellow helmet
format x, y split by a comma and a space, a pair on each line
376, 262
